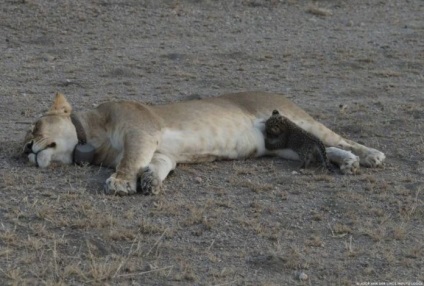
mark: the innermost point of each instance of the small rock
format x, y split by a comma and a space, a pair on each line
317, 11
303, 276
49, 58
198, 180
343, 108
295, 173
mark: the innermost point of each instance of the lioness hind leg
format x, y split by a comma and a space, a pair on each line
150, 181
368, 157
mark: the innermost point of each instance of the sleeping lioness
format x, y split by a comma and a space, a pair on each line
144, 143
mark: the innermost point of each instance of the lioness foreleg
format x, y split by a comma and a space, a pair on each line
137, 154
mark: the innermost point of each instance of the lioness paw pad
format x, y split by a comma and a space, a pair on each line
149, 183
350, 165
120, 187
373, 159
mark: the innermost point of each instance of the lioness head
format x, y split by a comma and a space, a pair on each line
53, 136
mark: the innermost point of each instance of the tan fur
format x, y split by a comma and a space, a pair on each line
148, 141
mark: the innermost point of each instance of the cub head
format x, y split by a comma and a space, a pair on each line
53, 136
274, 126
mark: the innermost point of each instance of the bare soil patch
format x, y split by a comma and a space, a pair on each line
357, 66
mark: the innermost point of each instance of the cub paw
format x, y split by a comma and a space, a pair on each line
373, 158
149, 183
120, 187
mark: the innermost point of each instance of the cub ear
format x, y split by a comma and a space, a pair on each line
60, 105
275, 112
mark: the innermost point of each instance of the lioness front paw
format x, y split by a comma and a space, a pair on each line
116, 186
373, 158
150, 183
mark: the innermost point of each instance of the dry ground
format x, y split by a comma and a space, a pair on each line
247, 222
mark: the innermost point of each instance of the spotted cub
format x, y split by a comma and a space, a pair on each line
282, 133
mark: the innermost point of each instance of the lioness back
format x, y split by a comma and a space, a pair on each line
249, 104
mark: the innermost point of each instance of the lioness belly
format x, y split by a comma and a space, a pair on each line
204, 142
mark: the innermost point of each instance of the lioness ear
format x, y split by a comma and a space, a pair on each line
60, 105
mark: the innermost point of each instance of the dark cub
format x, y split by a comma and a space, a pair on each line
282, 133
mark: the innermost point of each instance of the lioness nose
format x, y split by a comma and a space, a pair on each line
28, 147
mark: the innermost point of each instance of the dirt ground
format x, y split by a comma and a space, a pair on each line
357, 66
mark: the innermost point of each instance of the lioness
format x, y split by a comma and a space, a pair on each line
146, 142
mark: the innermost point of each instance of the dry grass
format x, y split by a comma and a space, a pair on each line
67, 235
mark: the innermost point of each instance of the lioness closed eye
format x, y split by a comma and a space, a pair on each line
144, 143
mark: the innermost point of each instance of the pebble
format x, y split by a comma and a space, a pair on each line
49, 58
198, 180
342, 108
319, 11
303, 276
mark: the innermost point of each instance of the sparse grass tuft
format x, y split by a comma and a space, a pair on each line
341, 229
315, 241
399, 232
256, 187
146, 226
185, 272
123, 234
